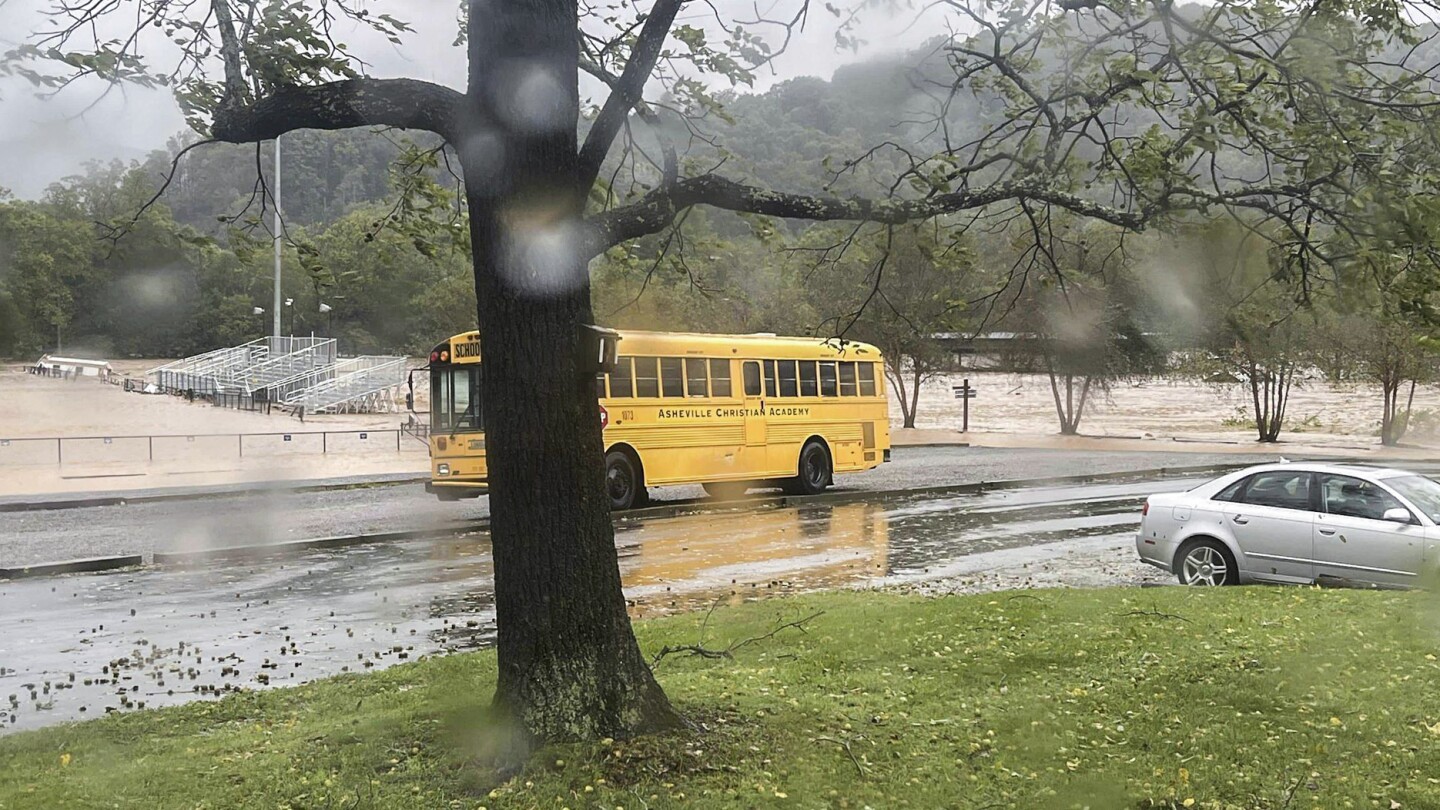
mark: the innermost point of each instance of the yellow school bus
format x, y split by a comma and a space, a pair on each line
730, 412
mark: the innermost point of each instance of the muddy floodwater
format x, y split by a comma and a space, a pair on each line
81, 646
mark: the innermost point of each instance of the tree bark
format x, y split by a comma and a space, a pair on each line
1390, 393
896, 375
1066, 429
569, 665
918, 378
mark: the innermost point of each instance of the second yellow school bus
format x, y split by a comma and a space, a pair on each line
730, 412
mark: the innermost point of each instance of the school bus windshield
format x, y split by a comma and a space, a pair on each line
455, 399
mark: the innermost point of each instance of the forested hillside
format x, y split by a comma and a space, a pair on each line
188, 274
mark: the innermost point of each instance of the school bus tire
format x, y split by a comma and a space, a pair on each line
624, 480
813, 470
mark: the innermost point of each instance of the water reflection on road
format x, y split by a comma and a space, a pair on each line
79, 646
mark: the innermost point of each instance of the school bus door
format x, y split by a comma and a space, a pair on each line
754, 414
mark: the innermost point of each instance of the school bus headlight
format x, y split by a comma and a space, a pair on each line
443, 469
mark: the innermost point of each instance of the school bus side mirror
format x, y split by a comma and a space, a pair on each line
409, 402
599, 350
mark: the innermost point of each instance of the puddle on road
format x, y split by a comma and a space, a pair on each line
81, 646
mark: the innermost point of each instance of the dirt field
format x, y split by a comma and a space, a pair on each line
108, 446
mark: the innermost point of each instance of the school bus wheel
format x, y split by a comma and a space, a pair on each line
624, 480
813, 474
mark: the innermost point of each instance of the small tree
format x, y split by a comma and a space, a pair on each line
1266, 359
1386, 336
1078, 300
900, 288
1393, 355
1263, 332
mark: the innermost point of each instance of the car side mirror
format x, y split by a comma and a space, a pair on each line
1397, 515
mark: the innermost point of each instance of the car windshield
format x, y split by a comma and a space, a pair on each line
1420, 491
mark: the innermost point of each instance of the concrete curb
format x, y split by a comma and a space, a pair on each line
289, 548
57, 503
296, 546
848, 496
72, 567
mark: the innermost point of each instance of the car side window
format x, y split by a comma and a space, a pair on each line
1352, 497
1282, 489
1232, 492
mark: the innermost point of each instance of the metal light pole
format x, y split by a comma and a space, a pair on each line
276, 308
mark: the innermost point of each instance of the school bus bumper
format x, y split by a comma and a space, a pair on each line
469, 487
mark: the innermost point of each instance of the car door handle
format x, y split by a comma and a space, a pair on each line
1327, 532
1241, 519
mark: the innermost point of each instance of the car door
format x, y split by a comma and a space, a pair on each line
1272, 520
1353, 542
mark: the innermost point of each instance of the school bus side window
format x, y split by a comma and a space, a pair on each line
695, 380
867, 379
719, 378
788, 385
672, 377
621, 382
847, 379
809, 383
770, 378
647, 377
752, 379
827, 378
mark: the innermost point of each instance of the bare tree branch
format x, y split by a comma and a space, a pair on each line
659, 208
626, 92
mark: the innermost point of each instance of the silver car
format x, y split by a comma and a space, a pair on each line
1297, 523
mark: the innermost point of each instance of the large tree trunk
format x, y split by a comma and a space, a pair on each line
569, 665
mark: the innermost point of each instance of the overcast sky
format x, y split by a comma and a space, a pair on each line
44, 140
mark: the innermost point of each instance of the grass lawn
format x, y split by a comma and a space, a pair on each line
1120, 698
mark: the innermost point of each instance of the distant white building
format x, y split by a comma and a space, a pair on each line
72, 367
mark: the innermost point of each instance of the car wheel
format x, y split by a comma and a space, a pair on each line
1206, 562
622, 481
814, 472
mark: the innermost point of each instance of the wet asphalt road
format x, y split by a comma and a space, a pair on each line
27, 538
79, 646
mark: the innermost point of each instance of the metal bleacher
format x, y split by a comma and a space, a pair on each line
358, 385
201, 374
290, 359
290, 372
